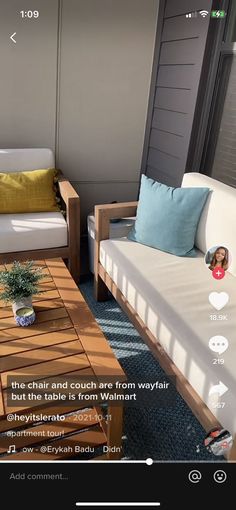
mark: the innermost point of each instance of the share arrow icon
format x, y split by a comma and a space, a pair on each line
218, 388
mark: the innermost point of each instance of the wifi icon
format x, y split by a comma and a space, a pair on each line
204, 13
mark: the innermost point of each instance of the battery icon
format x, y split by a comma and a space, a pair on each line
218, 14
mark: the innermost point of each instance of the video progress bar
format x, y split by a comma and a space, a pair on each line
118, 504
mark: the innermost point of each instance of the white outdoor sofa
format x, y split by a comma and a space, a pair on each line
166, 298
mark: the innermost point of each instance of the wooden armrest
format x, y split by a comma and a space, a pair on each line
104, 213
72, 202
67, 191
115, 211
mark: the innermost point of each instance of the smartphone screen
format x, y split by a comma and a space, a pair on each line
117, 252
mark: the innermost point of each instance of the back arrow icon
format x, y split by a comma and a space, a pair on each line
12, 37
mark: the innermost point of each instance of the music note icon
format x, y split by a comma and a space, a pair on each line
12, 449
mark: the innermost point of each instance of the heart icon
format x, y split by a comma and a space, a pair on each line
218, 299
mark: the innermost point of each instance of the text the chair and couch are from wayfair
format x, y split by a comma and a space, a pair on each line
38, 235
167, 299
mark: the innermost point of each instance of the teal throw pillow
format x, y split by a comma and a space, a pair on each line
167, 218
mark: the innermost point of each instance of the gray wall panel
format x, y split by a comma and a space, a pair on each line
152, 173
176, 76
163, 161
172, 144
173, 99
178, 63
177, 28
171, 122
179, 52
164, 177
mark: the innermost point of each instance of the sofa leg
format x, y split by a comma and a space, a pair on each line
101, 292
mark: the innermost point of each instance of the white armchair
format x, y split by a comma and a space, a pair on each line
40, 235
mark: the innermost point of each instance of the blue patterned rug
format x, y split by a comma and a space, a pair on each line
167, 434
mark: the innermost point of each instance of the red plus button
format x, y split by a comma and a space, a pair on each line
218, 273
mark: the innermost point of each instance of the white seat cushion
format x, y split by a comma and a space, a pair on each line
32, 231
170, 294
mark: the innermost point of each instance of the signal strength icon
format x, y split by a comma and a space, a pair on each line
191, 15
204, 13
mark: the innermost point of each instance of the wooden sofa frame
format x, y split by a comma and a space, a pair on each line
71, 252
103, 283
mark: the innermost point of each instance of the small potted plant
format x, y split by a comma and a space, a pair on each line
18, 285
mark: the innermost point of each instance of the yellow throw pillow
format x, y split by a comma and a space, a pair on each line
25, 192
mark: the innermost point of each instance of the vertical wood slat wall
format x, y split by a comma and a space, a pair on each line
178, 59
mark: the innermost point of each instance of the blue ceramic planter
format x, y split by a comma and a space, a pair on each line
25, 320
23, 312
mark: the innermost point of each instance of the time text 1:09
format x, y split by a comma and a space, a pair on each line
29, 14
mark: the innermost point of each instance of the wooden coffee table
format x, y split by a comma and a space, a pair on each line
64, 341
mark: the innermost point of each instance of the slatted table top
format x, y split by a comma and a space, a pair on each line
64, 340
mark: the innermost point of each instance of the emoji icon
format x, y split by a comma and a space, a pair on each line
220, 476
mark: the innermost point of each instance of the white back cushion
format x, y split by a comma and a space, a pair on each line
217, 225
16, 160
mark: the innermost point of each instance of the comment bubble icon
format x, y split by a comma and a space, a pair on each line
218, 344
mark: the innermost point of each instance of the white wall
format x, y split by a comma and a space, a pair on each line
28, 74
91, 109
106, 60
